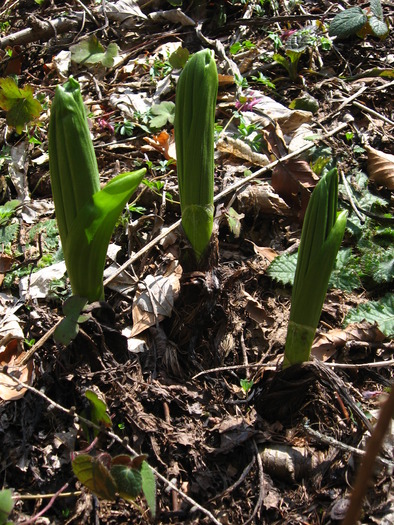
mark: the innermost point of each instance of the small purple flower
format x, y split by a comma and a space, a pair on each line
246, 103
104, 124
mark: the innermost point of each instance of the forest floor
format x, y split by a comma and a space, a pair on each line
188, 363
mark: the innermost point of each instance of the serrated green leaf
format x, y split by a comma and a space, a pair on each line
348, 22
376, 8
164, 112
128, 481
19, 103
91, 51
380, 312
283, 268
8, 233
345, 274
6, 505
379, 27
179, 58
149, 486
92, 473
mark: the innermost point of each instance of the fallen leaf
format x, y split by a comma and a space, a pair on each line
154, 300
381, 167
11, 354
325, 345
292, 180
164, 143
261, 198
5, 264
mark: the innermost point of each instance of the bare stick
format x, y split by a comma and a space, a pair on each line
374, 445
124, 442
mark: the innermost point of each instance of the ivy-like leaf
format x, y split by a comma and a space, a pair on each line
164, 112
380, 312
68, 328
348, 22
378, 27
92, 473
128, 481
91, 51
19, 103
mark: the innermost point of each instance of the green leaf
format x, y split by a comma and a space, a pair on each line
179, 58
6, 505
128, 481
299, 41
98, 410
164, 112
376, 8
281, 60
87, 241
149, 486
8, 233
92, 473
234, 221
20, 105
348, 22
68, 328
90, 51
305, 102
380, 312
283, 268
378, 27
345, 272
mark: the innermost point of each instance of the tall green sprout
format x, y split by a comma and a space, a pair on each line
321, 236
194, 137
86, 215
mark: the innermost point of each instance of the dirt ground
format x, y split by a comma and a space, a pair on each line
277, 448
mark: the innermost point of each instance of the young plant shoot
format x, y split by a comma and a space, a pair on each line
321, 236
194, 137
85, 214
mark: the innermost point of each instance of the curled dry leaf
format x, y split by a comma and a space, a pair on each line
325, 345
292, 180
11, 354
381, 167
261, 198
164, 143
155, 299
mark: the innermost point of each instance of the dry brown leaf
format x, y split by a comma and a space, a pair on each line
155, 299
164, 143
11, 354
381, 167
5, 264
265, 252
292, 180
260, 198
325, 345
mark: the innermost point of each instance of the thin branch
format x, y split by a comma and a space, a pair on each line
124, 442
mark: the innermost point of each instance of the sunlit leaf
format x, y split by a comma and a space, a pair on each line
149, 486
348, 22
380, 312
379, 27
163, 113
90, 51
98, 410
92, 473
19, 103
179, 58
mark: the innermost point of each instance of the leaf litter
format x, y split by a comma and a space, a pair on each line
202, 434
